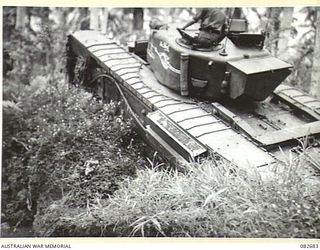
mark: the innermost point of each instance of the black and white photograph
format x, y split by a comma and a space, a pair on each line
171, 122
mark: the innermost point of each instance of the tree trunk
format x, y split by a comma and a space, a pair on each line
9, 22
61, 16
94, 19
166, 19
228, 12
285, 30
21, 17
104, 21
45, 15
84, 19
315, 74
137, 18
237, 13
273, 29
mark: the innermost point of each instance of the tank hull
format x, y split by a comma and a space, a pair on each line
248, 136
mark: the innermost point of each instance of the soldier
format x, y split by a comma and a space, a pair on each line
212, 24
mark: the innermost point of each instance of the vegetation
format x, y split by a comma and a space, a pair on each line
208, 200
73, 165
60, 141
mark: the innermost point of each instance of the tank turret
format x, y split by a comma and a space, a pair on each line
237, 66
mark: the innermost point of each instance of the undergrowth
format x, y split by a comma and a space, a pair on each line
210, 199
57, 142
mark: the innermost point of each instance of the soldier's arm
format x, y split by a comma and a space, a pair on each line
196, 18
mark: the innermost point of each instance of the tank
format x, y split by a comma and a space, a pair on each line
225, 101
234, 68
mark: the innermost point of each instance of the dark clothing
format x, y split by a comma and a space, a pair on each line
206, 39
212, 22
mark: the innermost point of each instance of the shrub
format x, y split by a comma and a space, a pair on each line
59, 141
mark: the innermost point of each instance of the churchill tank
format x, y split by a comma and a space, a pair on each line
227, 100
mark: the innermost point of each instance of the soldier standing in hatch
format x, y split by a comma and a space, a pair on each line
212, 23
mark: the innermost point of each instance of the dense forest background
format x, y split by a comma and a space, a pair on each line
292, 34
53, 184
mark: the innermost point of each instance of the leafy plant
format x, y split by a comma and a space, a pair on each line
58, 141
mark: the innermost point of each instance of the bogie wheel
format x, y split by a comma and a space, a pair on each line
104, 87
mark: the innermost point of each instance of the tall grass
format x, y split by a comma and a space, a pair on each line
210, 199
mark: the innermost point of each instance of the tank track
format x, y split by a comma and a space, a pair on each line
299, 100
